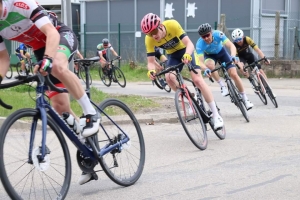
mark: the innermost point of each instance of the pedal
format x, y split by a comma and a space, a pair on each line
95, 176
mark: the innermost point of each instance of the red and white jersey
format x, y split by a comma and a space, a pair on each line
21, 21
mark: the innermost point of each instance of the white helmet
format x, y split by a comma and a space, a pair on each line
237, 34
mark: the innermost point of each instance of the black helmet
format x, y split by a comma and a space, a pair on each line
105, 41
204, 29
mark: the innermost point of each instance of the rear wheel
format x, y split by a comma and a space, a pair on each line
123, 165
104, 77
191, 120
269, 91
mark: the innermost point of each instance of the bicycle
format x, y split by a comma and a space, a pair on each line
29, 66
233, 91
33, 165
9, 72
160, 81
81, 71
190, 115
111, 73
260, 84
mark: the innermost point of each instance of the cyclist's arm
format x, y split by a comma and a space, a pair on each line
79, 55
151, 62
201, 62
230, 46
101, 56
4, 59
189, 45
114, 52
259, 52
22, 53
52, 39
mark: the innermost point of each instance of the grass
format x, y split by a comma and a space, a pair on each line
23, 97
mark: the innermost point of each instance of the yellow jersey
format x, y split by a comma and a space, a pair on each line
171, 42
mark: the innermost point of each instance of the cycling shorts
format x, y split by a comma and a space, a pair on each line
51, 93
176, 58
222, 56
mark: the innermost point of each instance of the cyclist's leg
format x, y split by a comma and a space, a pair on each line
21, 59
71, 82
170, 77
206, 92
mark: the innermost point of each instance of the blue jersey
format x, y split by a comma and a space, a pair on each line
219, 38
21, 47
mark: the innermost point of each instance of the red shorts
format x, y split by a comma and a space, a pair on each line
51, 93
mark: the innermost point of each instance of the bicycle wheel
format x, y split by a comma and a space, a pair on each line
22, 174
237, 100
82, 75
123, 165
256, 85
220, 133
157, 82
191, 120
18, 67
104, 77
119, 76
9, 73
269, 91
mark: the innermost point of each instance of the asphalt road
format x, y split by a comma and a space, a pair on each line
257, 160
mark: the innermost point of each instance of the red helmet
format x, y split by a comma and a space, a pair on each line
149, 23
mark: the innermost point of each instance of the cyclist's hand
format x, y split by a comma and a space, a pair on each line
235, 59
119, 57
207, 72
186, 58
151, 74
45, 66
267, 61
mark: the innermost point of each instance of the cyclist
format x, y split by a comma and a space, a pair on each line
242, 44
22, 54
102, 51
170, 36
53, 44
210, 48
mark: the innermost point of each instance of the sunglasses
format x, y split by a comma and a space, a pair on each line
205, 36
238, 40
154, 32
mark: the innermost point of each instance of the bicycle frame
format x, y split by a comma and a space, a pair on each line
44, 108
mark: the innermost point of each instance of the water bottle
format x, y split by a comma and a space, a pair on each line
72, 122
27, 66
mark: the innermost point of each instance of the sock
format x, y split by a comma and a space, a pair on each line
86, 105
244, 96
213, 109
221, 83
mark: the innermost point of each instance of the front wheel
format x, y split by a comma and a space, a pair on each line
123, 165
259, 90
269, 91
106, 80
237, 99
9, 73
119, 77
191, 120
22, 174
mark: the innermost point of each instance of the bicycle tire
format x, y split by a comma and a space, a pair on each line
118, 75
195, 116
167, 88
31, 67
220, 133
104, 78
256, 84
18, 68
269, 91
237, 99
158, 84
9, 73
19, 174
82, 75
132, 151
